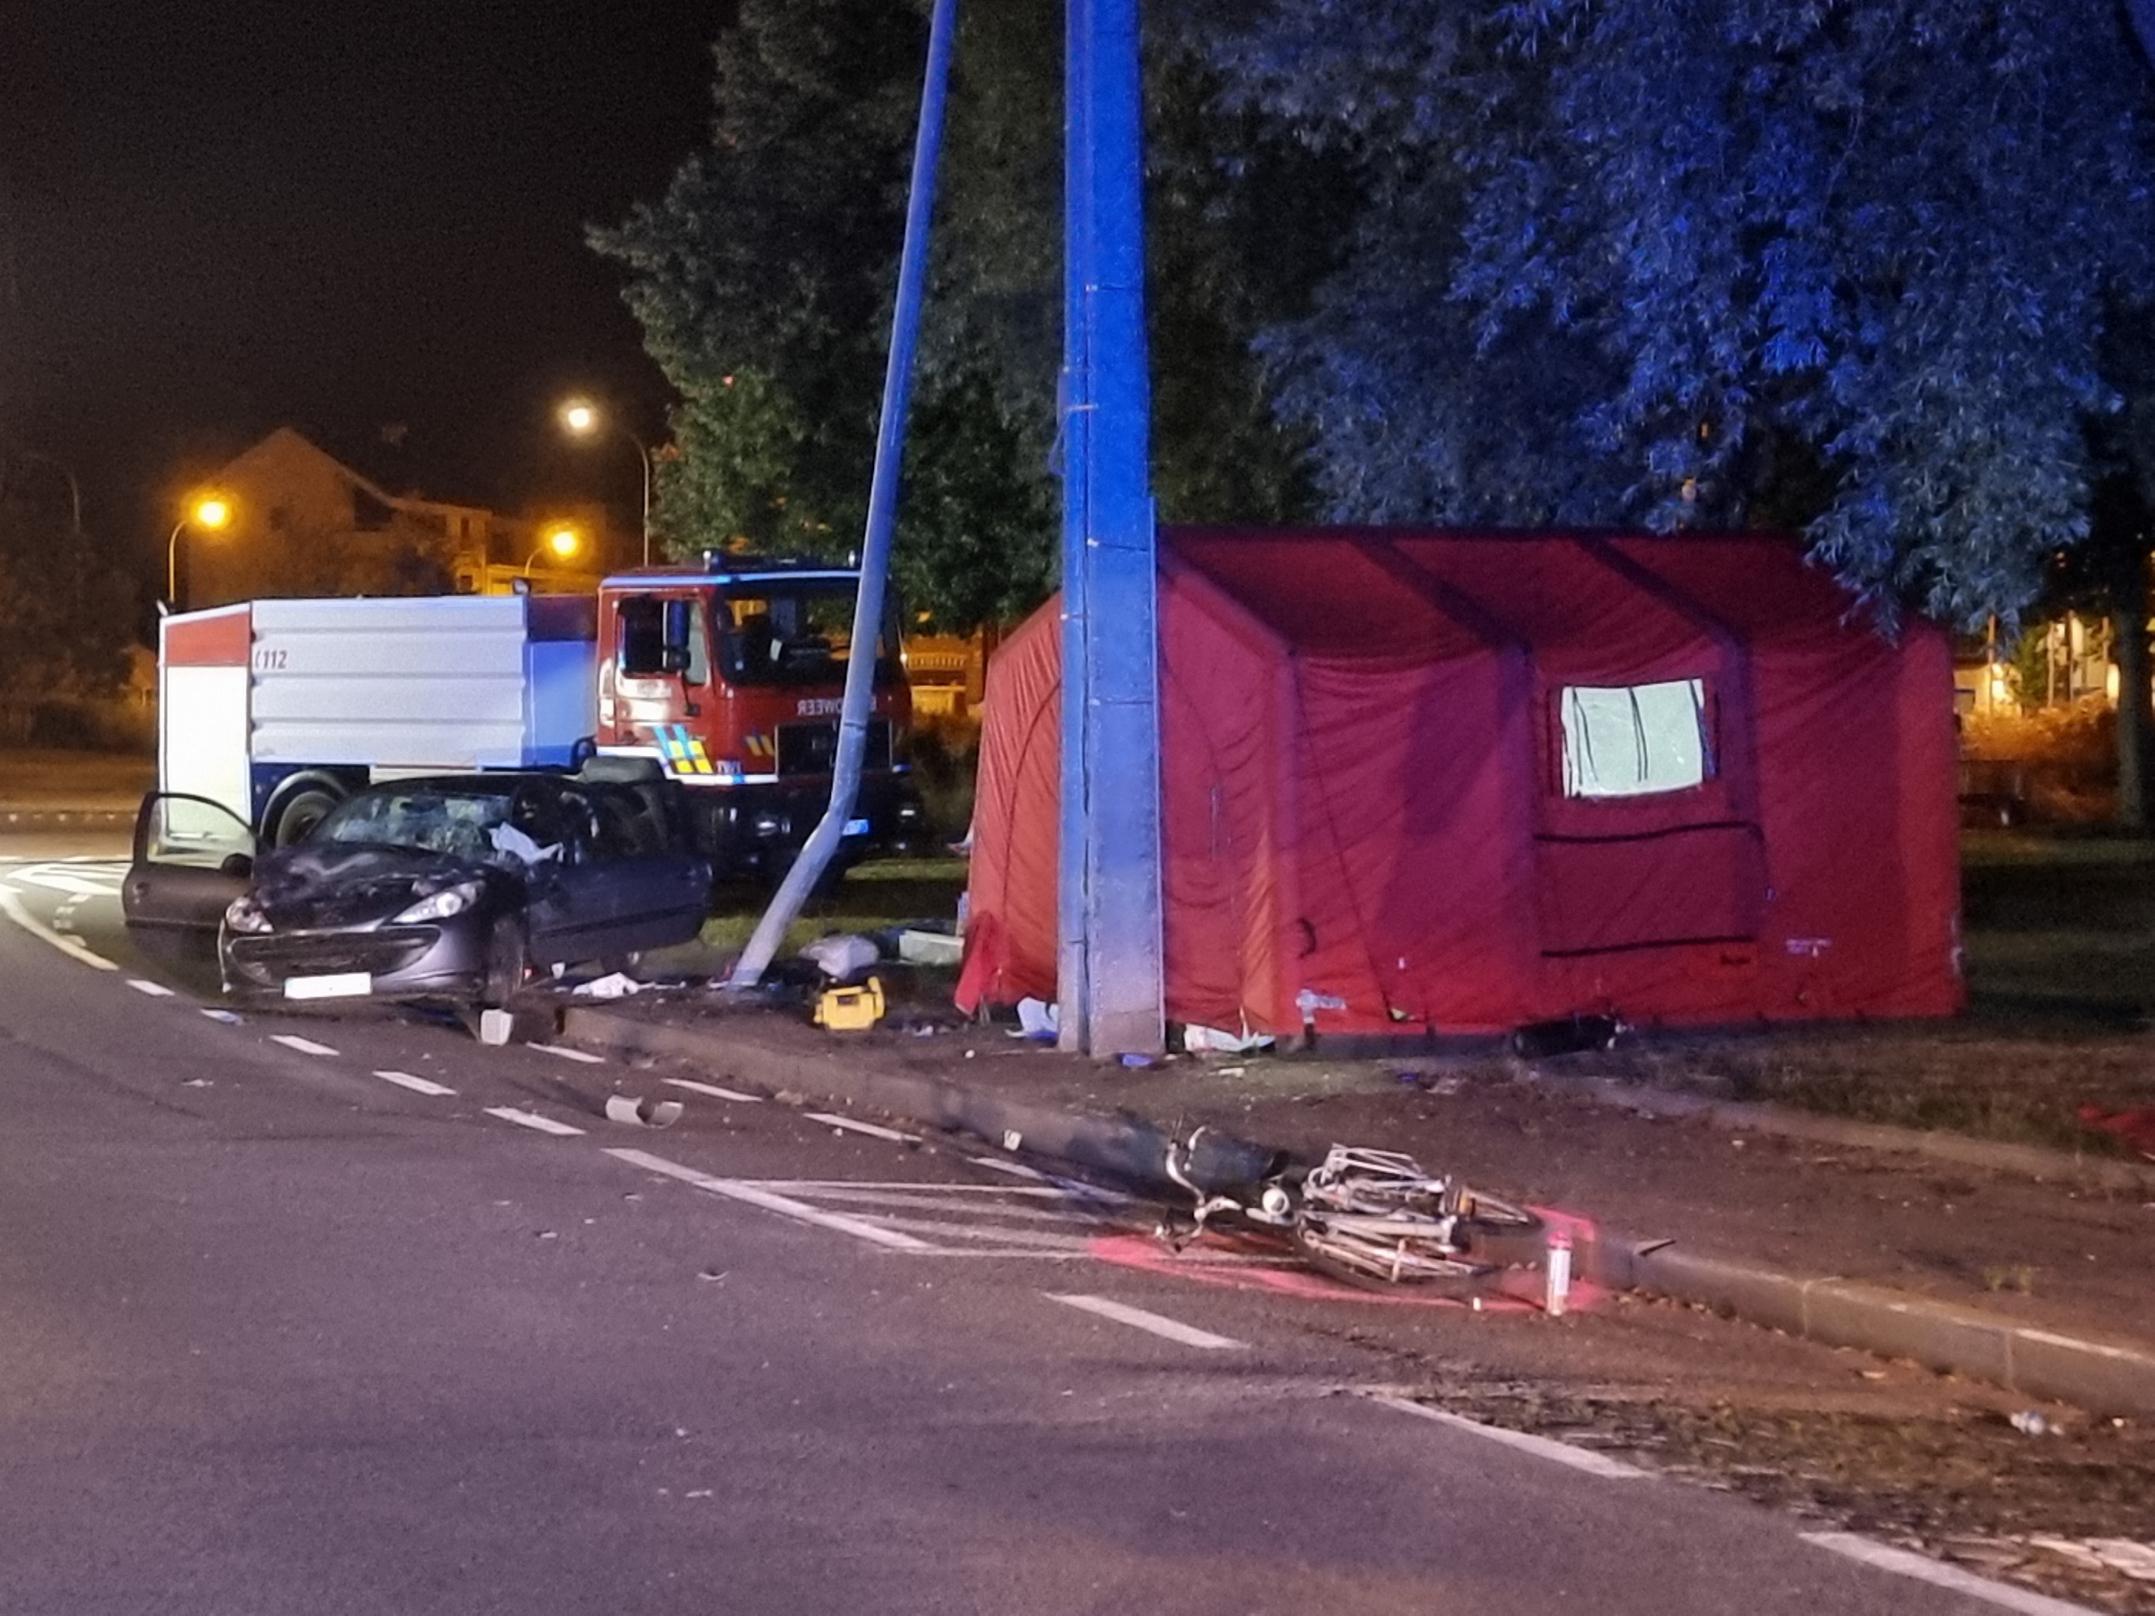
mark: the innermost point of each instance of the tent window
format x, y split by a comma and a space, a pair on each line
1636, 740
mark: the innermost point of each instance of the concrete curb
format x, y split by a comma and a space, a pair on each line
2025, 1161
1124, 1146
25, 820
2107, 1377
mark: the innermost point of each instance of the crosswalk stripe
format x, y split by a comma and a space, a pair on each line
1151, 1323
418, 1085
532, 1120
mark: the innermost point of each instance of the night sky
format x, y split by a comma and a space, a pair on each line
347, 216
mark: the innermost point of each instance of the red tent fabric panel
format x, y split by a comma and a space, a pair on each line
1858, 757
1414, 867
1224, 810
1010, 937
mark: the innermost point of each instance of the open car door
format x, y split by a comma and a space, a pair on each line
192, 857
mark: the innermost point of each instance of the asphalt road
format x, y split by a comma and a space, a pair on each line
360, 1316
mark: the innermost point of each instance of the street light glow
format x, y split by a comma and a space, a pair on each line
211, 511
580, 417
564, 542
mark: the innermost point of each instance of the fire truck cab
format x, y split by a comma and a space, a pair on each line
728, 677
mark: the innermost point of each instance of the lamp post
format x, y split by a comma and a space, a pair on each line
211, 513
581, 418
564, 542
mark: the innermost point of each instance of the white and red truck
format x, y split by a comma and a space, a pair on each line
725, 676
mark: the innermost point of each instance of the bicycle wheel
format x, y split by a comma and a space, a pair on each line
1426, 1267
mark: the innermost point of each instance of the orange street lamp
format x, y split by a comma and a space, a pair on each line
211, 513
581, 418
563, 541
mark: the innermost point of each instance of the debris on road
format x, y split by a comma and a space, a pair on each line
614, 985
918, 947
1038, 1020
642, 1113
843, 956
1213, 1041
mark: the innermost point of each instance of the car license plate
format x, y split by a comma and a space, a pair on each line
349, 985
856, 827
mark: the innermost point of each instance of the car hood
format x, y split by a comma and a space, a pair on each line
307, 886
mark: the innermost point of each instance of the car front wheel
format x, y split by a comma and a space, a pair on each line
508, 963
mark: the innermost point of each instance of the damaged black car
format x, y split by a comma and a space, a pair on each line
455, 889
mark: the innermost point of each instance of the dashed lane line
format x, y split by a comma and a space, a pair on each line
532, 1119
1563, 1453
1902, 1562
154, 990
305, 1046
560, 1052
1158, 1324
418, 1085
1015, 1242
11, 905
228, 1018
714, 1091
996, 1164
874, 1130
784, 1205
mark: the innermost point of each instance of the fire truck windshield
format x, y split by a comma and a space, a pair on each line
795, 632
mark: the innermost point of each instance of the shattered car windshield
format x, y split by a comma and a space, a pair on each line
460, 824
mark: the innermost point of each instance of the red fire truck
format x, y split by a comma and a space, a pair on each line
725, 676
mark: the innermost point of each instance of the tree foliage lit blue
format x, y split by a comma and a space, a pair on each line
1843, 263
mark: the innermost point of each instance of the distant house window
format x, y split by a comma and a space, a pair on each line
1636, 740
371, 515
280, 518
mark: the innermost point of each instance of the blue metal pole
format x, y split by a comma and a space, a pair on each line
824, 840
1111, 751
1072, 963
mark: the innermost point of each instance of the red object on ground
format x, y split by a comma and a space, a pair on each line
1463, 782
2136, 1127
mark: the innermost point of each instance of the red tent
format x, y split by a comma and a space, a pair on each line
1462, 782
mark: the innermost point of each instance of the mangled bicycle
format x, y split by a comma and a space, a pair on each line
1371, 1218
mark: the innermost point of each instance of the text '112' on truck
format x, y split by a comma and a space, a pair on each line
724, 676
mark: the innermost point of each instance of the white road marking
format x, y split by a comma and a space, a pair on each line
874, 1130
1940, 1575
1024, 1241
418, 1085
714, 1091
231, 1018
1563, 1453
929, 1197
998, 1165
901, 1188
581, 1057
1152, 1323
785, 1206
11, 906
306, 1046
72, 885
531, 1119
156, 990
